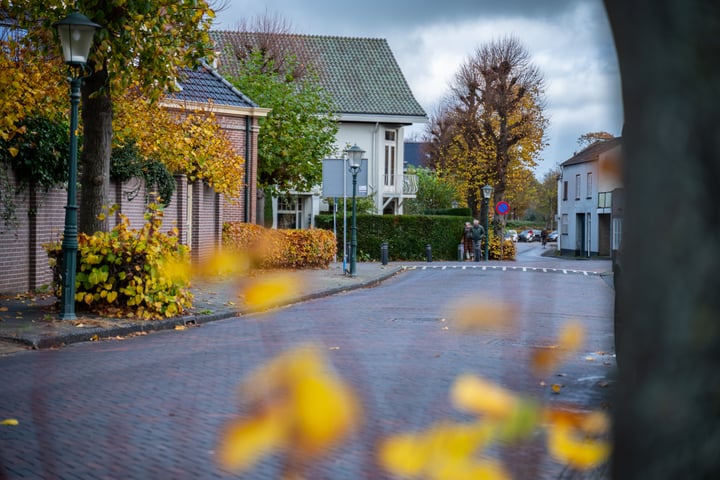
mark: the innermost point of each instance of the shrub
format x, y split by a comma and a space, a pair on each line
406, 235
269, 248
508, 249
125, 272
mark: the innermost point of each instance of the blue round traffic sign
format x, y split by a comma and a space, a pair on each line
502, 208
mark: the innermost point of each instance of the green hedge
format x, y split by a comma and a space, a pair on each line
454, 212
406, 235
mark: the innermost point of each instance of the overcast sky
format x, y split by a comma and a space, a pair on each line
569, 40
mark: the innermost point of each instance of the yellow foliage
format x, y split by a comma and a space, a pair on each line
299, 407
472, 394
187, 142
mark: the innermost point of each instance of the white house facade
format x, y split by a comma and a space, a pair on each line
590, 201
373, 105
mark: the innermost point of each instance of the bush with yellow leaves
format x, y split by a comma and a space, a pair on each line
268, 248
126, 272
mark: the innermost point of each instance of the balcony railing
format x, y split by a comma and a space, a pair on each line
409, 184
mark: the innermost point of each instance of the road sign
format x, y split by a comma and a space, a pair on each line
502, 208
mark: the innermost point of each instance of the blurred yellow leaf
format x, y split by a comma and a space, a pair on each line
572, 336
270, 290
472, 315
9, 421
571, 447
325, 411
245, 442
180, 327
472, 394
404, 454
556, 387
94, 338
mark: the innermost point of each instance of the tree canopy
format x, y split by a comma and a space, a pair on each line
490, 128
141, 44
300, 129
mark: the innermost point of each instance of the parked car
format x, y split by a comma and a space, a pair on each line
552, 236
537, 235
525, 236
511, 235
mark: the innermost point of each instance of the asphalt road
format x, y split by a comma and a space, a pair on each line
152, 406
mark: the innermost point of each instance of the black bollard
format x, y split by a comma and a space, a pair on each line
384, 253
461, 252
477, 252
428, 252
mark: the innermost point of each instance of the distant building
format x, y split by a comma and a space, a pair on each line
590, 201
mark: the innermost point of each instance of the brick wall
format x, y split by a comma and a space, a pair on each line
41, 219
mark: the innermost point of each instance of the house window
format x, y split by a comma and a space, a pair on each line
564, 224
577, 187
616, 233
604, 199
565, 190
589, 185
390, 148
289, 212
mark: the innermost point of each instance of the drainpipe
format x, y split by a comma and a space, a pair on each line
248, 138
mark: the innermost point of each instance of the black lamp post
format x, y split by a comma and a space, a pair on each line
354, 154
486, 192
76, 33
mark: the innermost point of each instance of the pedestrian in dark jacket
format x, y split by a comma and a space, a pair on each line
478, 232
467, 241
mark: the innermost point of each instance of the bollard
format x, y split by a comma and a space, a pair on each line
477, 251
461, 252
384, 253
428, 252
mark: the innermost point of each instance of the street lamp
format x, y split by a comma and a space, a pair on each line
486, 192
76, 33
354, 154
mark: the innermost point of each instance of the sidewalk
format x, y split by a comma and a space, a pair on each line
33, 321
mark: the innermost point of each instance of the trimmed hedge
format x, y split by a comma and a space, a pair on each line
453, 212
269, 248
407, 236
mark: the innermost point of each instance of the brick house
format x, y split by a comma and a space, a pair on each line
195, 209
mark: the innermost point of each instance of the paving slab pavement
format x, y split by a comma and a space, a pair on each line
32, 321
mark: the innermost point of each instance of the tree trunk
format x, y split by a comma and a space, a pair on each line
95, 159
667, 407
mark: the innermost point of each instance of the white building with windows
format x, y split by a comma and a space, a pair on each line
590, 201
373, 105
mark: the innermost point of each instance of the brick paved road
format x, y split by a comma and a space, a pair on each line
151, 406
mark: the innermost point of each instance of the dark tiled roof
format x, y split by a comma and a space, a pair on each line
592, 152
361, 74
204, 83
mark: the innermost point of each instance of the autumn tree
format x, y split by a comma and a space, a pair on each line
493, 121
587, 139
142, 44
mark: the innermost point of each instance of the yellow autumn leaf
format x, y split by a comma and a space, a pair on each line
572, 336
245, 442
556, 387
471, 470
325, 412
571, 447
10, 421
13, 151
404, 454
472, 315
111, 296
270, 290
180, 327
472, 394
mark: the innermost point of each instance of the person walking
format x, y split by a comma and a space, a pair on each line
478, 232
467, 241
543, 236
